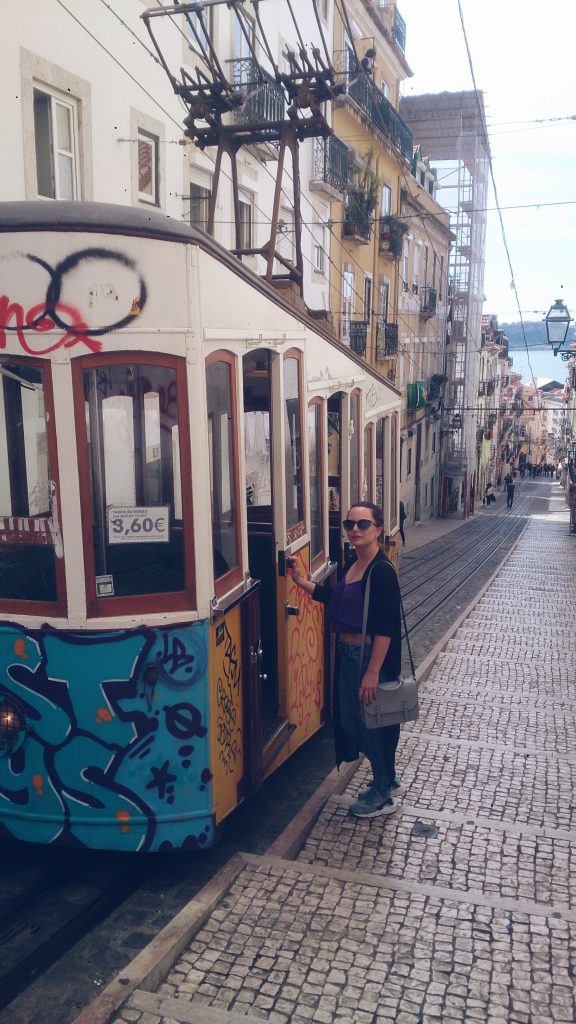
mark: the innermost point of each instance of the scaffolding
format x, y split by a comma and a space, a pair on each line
451, 131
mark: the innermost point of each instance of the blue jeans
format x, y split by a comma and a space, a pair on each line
379, 745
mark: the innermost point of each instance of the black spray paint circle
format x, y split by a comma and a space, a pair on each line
70, 263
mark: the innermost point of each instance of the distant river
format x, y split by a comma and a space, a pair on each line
543, 362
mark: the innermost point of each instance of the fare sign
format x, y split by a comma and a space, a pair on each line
140, 525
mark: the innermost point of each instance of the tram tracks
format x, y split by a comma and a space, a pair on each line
62, 906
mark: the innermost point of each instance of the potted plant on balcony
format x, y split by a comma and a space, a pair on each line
392, 234
362, 194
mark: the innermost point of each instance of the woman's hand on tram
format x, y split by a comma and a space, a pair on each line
368, 687
301, 581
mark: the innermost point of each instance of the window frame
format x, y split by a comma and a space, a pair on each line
144, 136
368, 465
231, 579
246, 221
58, 607
298, 529
135, 604
354, 450
70, 104
316, 561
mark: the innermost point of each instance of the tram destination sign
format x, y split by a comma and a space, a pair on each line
138, 525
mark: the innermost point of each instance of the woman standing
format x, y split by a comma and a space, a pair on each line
355, 683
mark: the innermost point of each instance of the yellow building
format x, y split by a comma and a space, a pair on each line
390, 241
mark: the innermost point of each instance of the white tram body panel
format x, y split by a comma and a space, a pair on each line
169, 430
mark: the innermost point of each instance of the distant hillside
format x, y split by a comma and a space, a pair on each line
535, 331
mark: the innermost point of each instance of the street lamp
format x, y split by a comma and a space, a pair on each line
557, 322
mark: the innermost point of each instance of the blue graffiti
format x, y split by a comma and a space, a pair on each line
107, 760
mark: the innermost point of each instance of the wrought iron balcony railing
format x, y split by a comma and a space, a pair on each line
357, 217
428, 305
383, 116
331, 163
386, 339
263, 97
358, 336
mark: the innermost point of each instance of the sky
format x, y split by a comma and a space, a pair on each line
524, 61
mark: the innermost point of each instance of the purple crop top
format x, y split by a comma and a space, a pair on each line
346, 607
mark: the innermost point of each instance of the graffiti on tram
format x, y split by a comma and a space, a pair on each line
113, 732
51, 313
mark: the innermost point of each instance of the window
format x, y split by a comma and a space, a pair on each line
367, 298
416, 269
440, 279
405, 259
245, 223
55, 141
132, 422
425, 270
386, 205
199, 206
199, 29
293, 448
222, 434
30, 533
434, 262
383, 295
148, 146
355, 446
318, 250
347, 299
316, 481
409, 462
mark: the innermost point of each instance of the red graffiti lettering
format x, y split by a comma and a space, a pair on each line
37, 321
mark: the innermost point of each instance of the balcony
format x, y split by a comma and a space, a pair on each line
386, 339
330, 163
428, 306
392, 232
416, 395
358, 336
358, 219
264, 99
371, 101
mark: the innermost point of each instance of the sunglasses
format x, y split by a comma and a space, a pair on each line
362, 524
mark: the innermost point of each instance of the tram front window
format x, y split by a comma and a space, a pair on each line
136, 480
27, 553
223, 483
293, 445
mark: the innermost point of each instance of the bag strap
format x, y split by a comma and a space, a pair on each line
365, 624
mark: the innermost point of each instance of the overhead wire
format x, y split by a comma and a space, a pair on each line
494, 186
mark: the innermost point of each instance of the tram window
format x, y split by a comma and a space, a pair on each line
136, 478
354, 446
316, 480
334, 409
293, 444
223, 482
368, 484
379, 499
28, 569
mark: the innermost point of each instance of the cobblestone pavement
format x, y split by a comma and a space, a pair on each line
461, 907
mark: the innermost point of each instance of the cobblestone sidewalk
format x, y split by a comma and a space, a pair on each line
462, 907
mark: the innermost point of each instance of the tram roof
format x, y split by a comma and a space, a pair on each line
112, 218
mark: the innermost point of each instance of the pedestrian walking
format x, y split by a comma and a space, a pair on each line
381, 654
402, 521
510, 488
489, 495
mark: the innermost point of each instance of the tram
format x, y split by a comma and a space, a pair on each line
171, 427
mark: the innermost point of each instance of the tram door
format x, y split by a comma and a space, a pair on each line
261, 539
335, 420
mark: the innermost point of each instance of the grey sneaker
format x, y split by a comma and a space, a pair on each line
373, 806
397, 790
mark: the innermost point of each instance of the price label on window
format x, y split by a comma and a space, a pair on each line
138, 525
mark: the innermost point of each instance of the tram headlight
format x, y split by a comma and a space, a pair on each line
12, 726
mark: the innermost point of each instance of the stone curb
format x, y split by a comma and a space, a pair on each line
149, 968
